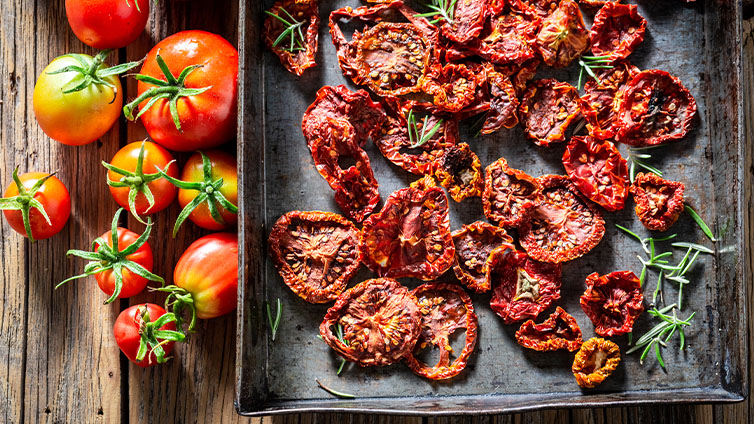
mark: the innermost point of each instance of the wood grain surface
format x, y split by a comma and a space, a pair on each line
58, 360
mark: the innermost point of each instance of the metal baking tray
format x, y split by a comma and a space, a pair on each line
699, 42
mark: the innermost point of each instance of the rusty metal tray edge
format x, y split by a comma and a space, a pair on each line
722, 27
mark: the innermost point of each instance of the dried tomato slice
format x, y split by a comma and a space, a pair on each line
563, 36
445, 309
474, 246
522, 287
565, 226
507, 39
559, 331
468, 20
601, 97
504, 103
547, 109
659, 202
654, 108
460, 171
380, 320
543, 8
509, 194
598, 171
617, 30
452, 86
316, 253
410, 236
520, 75
295, 56
613, 302
595, 361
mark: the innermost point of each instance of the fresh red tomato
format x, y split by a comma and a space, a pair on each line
107, 24
132, 284
223, 166
51, 195
129, 335
204, 100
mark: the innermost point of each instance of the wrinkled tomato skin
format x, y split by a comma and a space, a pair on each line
126, 332
299, 61
132, 284
207, 119
475, 245
584, 362
547, 110
223, 166
53, 195
617, 30
598, 170
550, 335
107, 24
563, 36
613, 302
460, 172
155, 156
509, 194
659, 202
208, 270
600, 100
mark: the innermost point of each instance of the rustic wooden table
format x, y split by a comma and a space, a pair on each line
58, 360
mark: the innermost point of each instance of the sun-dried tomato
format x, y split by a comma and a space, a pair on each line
617, 30
613, 302
601, 97
559, 331
563, 36
410, 236
595, 361
316, 253
468, 20
547, 109
445, 309
654, 108
460, 172
520, 75
503, 110
474, 245
424, 183
522, 287
380, 320
565, 226
543, 8
295, 54
509, 194
598, 171
452, 86
507, 39
597, 3
659, 202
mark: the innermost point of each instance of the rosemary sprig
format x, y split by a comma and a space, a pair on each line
444, 10
418, 136
589, 63
339, 334
661, 334
274, 323
700, 222
636, 157
334, 392
293, 30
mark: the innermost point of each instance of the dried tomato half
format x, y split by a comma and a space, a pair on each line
316, 253
547, 109
507, 39
543, 8
380, 320
509, 194
595, 361
410, 236
298, 49
617, 30
563, 36
613, 302
468, 20
559, 331
460, 171
601, 97
452, 86
474, 246
520, 75
445, 309
565, 226
503, 112
659, 202
521, 287
598, 171
654, 108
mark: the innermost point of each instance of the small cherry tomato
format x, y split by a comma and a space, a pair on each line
145, 333
43, 197
107, 24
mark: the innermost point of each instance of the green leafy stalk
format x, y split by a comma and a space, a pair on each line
153, 337
588, 64
293, 30
93, 72
24, 201
274, 322
700, 222
661, 334
637, 157
178, 301
417, 133
339, 334
441, 10
335, 392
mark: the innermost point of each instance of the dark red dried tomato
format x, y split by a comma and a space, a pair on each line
595, 361
659, 202
504, 103
617, 30
410, 236
507, 39
654, 108
547, 109
452, 86
601, 97
597, 3
474, 246
522, 287
380, 320
598, 170
460, 172
520, 75
563, 36
445, 309
565, 226
543, 8
295, 54
509, 194
468, 20
316, 253
559, 331
613, 302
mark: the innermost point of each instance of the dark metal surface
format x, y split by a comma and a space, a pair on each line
700, 43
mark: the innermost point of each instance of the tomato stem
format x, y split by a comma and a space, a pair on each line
152, 338
25, 200
93, 72
177, 301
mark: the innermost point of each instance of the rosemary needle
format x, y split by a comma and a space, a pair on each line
274, 323
334, 392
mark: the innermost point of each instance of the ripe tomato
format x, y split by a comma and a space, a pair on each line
133, 284
222, 166
204, 100
51, 195
107, 24
129, 334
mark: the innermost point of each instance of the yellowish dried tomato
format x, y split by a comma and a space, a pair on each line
595, 361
